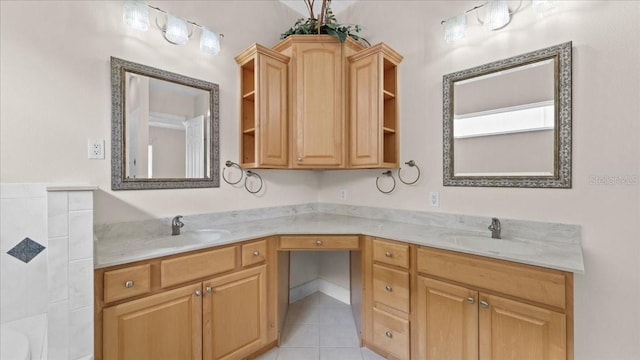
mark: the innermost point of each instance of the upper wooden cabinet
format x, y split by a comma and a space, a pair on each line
322, 108
263, 108
373, 96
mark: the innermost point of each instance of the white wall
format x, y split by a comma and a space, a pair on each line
606, 109
56, 93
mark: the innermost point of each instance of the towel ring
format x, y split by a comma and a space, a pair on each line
411, 163
230, 164
387, 173
250, 174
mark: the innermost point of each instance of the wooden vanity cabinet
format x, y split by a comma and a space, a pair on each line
226, 316
373, 108
263, 108
470, 307
341, 104
387, 297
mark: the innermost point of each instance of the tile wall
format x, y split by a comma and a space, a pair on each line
47, 268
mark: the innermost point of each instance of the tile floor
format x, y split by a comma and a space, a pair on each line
319, 327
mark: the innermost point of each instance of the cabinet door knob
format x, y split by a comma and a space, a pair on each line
484, 304
471, 300
128, 284
388, 288
319, 242
256, 253
388, 254
208, 289
198, 293
389, 334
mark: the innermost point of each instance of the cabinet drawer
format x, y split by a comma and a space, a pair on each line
391, 334
196, 266
320, 242
545, 286
391, 287
392, 253
127, 282
254, 253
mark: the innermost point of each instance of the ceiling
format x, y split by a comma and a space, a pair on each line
300, 7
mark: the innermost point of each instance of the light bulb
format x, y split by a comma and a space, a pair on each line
496, 14
455, 28
176, 31
209, 41
136, 15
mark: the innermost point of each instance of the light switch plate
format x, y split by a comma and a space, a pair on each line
95, 149
434, 199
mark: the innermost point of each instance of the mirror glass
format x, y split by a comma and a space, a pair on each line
508, 123
165, 129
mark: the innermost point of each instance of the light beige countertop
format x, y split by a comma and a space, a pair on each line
557, 248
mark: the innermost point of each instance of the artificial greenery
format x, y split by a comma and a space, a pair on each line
330, 25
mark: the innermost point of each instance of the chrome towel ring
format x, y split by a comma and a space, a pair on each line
227, 164
252, 174
389, 174
411, 163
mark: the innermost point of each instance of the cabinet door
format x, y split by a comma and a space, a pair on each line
235, 314
447, 321
364, 112
318, 125
514, 330
272, 112
163, 326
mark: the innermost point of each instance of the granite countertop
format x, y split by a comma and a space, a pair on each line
120, 244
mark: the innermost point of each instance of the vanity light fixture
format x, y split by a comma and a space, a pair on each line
176, 30
497, 15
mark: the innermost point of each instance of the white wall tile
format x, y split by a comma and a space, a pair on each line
80, 235
58, 214
58, 330
80, 200
80, 283
37, 292
58, 271
81, 333
14, 288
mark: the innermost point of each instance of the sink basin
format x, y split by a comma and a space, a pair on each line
496, 246
206, 234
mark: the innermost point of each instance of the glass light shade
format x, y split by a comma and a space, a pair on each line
543, 7
455, 28
496, 14
209, 42
136, 15
176, 31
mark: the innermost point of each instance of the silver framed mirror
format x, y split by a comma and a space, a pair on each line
508, 123
164, 129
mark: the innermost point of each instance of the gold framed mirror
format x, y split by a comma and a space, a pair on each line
164, 129
508, 123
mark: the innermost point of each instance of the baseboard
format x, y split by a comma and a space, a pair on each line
330, 289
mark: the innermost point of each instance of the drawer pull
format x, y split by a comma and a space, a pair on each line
208, 289
198, 292
319, 242
484, 304
471, 300
388, 288
389, 334
388, 254
256, 253
128, 284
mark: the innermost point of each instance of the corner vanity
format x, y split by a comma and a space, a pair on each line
421, 288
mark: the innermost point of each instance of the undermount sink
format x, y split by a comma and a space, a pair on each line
206, 234
495, 246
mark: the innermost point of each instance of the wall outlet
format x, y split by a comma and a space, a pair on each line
434, 199
95, 149
342, 194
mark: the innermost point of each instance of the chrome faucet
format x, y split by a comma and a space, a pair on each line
176, 224
495, 228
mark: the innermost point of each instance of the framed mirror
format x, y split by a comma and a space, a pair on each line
508, 123
164, 129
